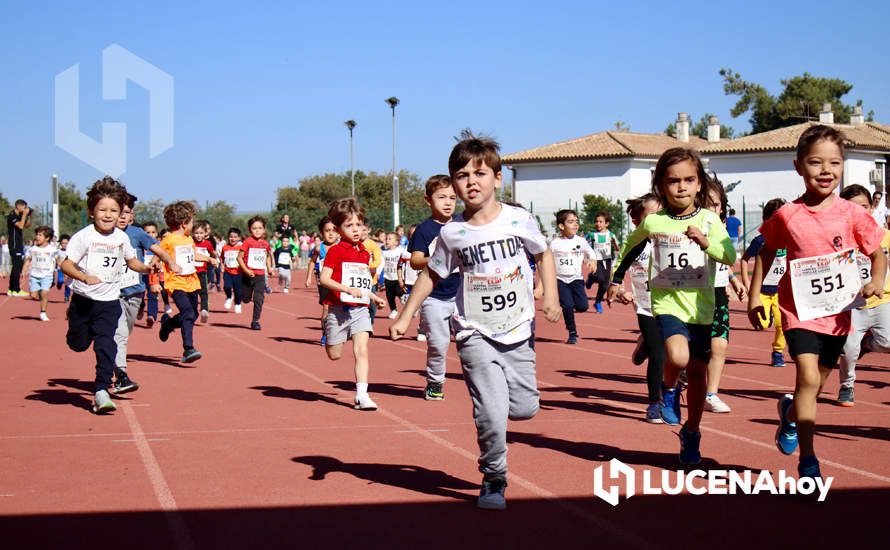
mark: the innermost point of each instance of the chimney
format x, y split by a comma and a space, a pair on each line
826, 116
856, 119
683, 127
713, 129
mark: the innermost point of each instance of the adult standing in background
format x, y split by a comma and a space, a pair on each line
733, 226
879, 210
285, 228
16, 221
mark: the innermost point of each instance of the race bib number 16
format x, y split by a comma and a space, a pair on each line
677, 262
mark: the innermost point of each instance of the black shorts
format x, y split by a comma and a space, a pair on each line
827, 346
698, 336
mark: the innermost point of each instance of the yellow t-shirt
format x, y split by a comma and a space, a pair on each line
182, 249
376, 254
875, 301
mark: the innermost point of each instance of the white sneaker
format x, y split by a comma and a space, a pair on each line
421, 337
714, 404
286, 290
237, 308
363, 402
228, 304
169, 311
103, 403
204, 315
44, 316
393, 314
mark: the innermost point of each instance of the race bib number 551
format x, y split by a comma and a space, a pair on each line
825, 285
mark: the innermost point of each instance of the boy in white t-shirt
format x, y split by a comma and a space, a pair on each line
42, 258
96, 258
495, 303
394, 255
569, 252
604, 246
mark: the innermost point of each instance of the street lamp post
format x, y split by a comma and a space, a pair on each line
392, 102
350, 124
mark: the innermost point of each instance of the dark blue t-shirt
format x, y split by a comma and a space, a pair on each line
425, 235
732, 227
753, 250
142, 242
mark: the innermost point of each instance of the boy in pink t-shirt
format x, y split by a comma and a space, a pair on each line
821, 232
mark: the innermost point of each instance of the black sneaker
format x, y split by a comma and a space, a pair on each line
123, 384
573, 338
434, 391
845, 396
166, 329
255, 326
641, 353
491, 497
191, 355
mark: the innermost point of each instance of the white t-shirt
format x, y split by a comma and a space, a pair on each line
43, 260
569, 255
391, 259
639, 281
103, 256
602, 244
496, 294
409, 275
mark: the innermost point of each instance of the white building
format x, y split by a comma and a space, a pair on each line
619, 164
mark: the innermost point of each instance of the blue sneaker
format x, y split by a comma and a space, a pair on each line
573, 338
808, 467
324, 340
778, 359
786, 433
598, 306
670, 405
689, 446
653, 413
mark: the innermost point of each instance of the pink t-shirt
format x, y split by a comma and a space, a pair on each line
805, 233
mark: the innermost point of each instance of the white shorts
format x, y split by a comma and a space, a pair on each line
343, 322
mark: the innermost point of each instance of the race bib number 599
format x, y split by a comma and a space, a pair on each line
496, 303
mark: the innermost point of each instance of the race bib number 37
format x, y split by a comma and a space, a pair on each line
825, 285
105, 261
677, 262
496, 303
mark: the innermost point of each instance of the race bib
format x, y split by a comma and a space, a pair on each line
105, 261
496, 303
130, 278
721, 276
231, 259
602, 245
391, 267
284, 258
677, 262
41, 261
256, 258
825, 285
568, 264
639, 279
185, 257
776, 270
356, 275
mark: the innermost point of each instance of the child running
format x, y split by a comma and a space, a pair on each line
394, 285
285, 260
95, 262
684, 235
870, 324
330, 236
821, 233
41, 259
232, 269
604, 246
347, 277
651, 344
255, 260
437, 309
495, 303
63, 281
201, 236
183, 286
569, 252
769, 290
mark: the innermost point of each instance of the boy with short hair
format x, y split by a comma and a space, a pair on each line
232, 271
285, 260
42, 258
183, 286
201, 236
569, 253
604, 247
255, 260
437, 309
495, 303
393, 257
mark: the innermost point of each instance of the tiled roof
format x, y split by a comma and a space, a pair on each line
867, 136
603, 145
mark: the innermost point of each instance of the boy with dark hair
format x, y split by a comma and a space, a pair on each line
42, 258
569, 253
604, 246
494, 305
204, 244
255, 260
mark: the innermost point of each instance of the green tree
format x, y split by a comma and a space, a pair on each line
801, 99
597, 203
150, 211
700, 128
73, 214
222, 216
5, 206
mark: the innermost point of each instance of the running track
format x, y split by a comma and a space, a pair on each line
258, 445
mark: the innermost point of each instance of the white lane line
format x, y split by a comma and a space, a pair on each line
630, 539
133, 440
178, 529
427, 429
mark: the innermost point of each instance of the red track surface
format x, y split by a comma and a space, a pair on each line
258, 445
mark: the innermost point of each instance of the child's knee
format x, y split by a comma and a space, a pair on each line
78, 344
582, 308
334, 352
523, 410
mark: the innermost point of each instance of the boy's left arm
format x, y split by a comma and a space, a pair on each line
878, 274
547, 272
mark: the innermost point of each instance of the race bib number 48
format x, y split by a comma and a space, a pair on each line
496, 303
677, 262
825, 285
356, 275
776, 270
105, 261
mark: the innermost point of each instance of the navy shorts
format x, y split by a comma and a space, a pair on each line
698, 336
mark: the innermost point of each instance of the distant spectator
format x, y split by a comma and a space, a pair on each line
284, 227
733, 225
879, 209
16, 221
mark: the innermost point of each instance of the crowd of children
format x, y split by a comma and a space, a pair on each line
819, 278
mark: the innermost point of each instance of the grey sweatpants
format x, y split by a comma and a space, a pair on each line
502, 384
435, 324
876, 320
129, 309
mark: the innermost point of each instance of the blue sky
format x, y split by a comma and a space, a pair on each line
262, 90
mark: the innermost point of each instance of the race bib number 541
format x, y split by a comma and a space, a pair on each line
825, 285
